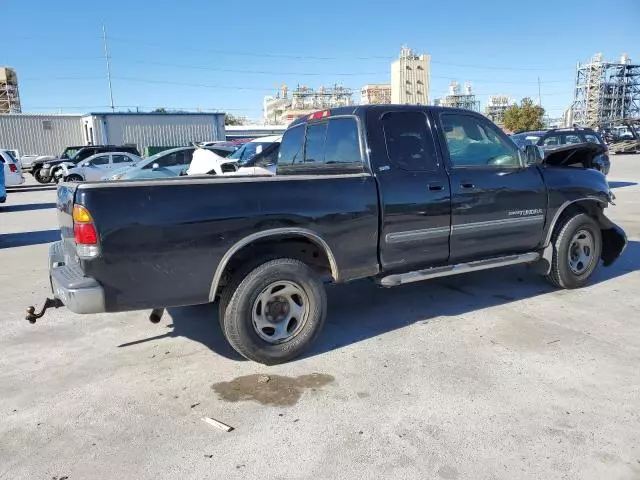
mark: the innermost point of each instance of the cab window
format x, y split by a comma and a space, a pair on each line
473, 142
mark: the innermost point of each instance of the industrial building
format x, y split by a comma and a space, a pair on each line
35, 134
606, 92
375, 94
9, 92
50, 134
496, 106
410, 76
287, 106
456, 99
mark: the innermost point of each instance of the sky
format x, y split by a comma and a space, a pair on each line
227, 55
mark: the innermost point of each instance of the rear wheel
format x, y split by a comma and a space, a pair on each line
577, 244
274, 312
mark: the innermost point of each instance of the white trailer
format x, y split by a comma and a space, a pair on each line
152, 129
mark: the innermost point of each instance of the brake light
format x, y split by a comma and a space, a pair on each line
83, 229
13, 168
320, 114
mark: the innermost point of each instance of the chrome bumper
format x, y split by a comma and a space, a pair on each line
80, 294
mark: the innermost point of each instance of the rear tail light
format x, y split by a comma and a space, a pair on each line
84, 232
13, 168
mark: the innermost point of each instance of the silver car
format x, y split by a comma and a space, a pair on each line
97, 166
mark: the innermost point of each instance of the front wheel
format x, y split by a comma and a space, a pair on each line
577, 245
40, 178
274, 312
73, 178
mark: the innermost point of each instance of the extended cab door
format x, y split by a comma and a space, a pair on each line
498, 204
414, 189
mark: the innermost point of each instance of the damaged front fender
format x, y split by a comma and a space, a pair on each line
614, 241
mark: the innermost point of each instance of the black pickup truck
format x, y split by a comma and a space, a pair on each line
397, 194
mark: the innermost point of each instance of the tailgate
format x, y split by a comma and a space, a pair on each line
64, 204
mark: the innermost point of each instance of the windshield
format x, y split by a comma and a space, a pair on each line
69, 152
248, 150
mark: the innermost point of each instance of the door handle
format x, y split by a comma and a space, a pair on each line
436, 187
467, 185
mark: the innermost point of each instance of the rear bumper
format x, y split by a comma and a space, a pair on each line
80, 294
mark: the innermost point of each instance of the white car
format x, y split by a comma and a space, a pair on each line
95, 167
257, 157
12, 169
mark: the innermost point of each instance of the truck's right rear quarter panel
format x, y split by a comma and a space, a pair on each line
161, 241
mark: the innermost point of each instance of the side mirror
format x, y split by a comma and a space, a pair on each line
532, 155
155, 166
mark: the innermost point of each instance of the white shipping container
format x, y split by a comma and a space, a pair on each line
34, 134
152, 129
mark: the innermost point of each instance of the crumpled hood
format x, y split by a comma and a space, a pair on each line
579, 155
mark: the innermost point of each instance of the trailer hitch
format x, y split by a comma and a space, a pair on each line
32, 316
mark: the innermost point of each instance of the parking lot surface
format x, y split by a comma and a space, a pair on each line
490, 375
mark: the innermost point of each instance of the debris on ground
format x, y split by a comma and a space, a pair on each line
194, 405
264, 379
217, 424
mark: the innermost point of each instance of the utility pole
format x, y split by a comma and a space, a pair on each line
539, 93
107, 59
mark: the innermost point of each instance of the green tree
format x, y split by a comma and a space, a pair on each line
233, 120
524, 117
160, 110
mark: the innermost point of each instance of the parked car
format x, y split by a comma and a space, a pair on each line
257, 157
37, 163
49, 169
12, 170
394, 193
549, 140
97, 166
168, 163
3, 188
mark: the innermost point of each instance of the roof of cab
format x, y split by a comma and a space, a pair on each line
361, 109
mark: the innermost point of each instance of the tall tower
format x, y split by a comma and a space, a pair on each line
9, 95
410, 78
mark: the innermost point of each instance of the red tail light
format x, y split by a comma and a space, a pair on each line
13, 168
83, 229
85, 234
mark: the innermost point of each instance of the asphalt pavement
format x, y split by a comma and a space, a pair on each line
491, 375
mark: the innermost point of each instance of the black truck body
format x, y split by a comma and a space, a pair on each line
396, 193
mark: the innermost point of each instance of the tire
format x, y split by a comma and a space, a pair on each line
246, 303
73, 178
571, 267
37, 174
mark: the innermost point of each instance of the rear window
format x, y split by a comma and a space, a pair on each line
333, 143
291, 146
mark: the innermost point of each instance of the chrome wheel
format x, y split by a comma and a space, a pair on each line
581, 252
280, 312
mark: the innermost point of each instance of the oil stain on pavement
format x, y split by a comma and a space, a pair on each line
270, 389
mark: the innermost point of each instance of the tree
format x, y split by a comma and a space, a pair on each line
233, 120
524, 117
160, 110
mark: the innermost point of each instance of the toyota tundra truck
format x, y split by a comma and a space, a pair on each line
394, 193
